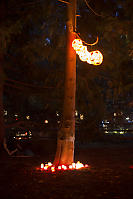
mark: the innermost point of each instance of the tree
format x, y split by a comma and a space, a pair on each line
66, 134
40, 30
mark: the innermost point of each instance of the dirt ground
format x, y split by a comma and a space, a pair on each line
110, 176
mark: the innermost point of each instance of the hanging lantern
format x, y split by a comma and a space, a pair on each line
77, 44
94, 57
83, 53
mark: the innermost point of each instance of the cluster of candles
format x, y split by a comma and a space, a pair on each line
93, 57
50, 167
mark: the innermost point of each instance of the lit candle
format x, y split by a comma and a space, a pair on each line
70, 167
42, 166
49, 164
59, 167
53, 169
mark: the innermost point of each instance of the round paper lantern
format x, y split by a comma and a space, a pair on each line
96, 57
77, 44
84, 54
93, 57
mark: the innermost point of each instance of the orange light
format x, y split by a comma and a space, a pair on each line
77, 44
53, 169
50, 167
94, 57
86, 165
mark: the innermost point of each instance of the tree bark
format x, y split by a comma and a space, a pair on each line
66, 134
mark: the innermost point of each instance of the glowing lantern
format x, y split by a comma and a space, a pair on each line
96, 57
83, 53
77, 44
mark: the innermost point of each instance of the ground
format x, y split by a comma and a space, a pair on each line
110, 175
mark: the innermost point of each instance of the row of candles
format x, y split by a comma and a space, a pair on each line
50, 167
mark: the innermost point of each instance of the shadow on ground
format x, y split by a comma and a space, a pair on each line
110, 175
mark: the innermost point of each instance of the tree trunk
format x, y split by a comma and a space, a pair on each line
66, 134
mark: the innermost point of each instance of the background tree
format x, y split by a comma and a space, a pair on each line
33, 37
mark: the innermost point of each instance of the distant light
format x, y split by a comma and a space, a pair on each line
121, 132
105, 125
114, 114
46, 121
117, 14
47, 41
58, 122
57, 113
16, 115
5, 112
76, 113
127, 118
81, 116
27, 117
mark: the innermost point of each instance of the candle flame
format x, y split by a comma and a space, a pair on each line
50, 167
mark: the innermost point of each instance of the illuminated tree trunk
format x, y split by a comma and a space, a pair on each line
66, 134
